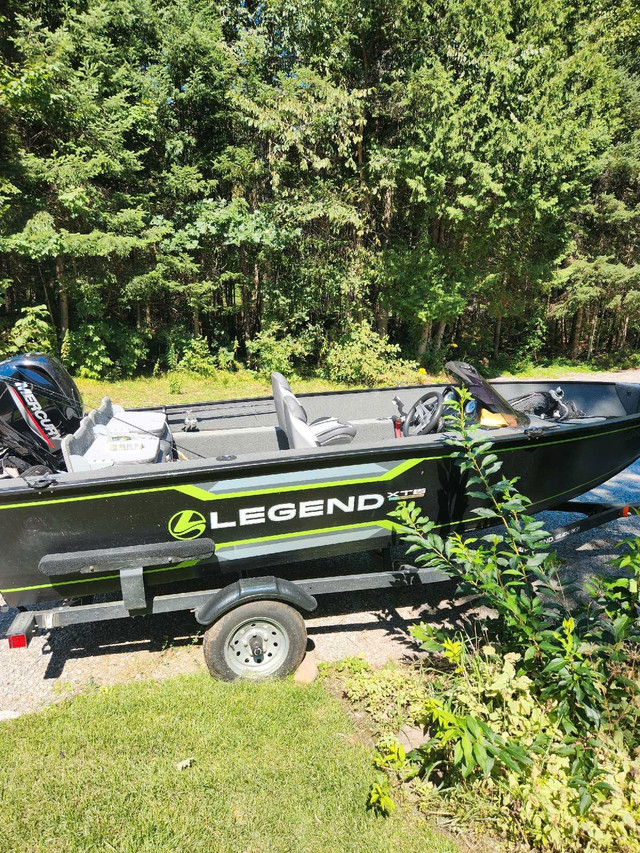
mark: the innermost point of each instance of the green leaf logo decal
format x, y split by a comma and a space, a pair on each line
187, 524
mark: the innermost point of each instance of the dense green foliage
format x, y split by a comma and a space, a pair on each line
287, 179
534, 711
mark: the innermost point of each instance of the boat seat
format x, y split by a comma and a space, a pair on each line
325, 430
92, 447
301, 434
118, 421
281, 389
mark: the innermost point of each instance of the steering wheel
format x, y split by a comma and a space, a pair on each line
423, 415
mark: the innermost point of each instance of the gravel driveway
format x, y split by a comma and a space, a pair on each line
374, 624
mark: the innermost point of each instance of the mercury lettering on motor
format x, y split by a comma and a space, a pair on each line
36, 409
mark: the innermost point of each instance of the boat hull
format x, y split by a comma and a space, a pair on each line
278, 512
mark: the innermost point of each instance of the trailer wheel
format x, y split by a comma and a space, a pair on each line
260, 639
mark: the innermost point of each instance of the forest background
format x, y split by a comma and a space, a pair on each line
325, 185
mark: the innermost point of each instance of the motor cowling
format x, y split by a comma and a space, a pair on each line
39, 404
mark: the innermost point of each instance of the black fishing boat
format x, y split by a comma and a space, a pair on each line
214, 493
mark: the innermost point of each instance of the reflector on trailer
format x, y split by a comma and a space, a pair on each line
21, 630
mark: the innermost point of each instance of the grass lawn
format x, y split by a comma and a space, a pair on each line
554, 369
227, 385
154, 391
276, 767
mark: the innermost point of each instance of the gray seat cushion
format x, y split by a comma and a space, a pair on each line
318, 434
118, 421
296, 427
292, 419
332, 431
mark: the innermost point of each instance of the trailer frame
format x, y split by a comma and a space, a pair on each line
299, 593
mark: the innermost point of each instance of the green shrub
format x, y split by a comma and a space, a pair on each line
363, 357
534, 714
549, 799
172, 356
226, 357
129, 348
275, 350
192, 354
175, 382
104, 351
197, 358
85, 352
33, 332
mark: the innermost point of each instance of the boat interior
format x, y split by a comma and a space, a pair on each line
285, 422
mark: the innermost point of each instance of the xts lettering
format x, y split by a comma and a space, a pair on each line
302, 509
36, 409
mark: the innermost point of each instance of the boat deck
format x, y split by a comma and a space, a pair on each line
239, 427
245, 426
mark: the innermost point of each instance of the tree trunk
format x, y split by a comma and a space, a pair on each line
360, 151
553, 336
197, 329
63, 298
576, 333
381, 313
442, 325
256, 302
382, 320
592, 336
245, 296
387, 216
425, 337
623, 333
7, 298
496, 337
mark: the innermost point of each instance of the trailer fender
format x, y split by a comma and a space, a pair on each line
253, 589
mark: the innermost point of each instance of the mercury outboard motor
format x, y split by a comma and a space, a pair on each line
39, 405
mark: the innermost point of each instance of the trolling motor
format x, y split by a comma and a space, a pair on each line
39, 404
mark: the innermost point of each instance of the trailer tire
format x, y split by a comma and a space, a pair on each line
256, 640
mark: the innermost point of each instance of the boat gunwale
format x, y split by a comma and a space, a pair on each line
181, 407
195, 470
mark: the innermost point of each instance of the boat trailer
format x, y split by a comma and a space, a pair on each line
211, 605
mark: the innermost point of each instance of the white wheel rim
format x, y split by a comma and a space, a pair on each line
256, 648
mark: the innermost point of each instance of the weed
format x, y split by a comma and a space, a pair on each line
536, 711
